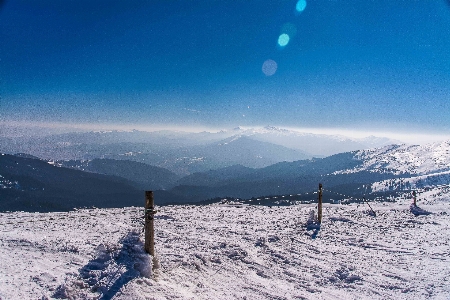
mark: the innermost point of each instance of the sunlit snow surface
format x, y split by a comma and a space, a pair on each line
229, 252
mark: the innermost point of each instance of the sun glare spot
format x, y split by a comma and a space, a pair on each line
269, 67
283, 39
301, 5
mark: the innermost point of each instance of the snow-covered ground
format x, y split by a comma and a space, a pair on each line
231, 252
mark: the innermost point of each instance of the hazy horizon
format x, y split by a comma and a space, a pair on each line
19, 129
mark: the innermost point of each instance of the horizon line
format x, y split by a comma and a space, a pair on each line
17, 129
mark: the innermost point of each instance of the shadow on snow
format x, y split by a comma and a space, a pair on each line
112, 268
417, 211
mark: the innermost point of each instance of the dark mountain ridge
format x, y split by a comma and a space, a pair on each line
34, 185
144, 176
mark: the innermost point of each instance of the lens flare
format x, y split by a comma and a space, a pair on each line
283, 39
301, 5
269, 67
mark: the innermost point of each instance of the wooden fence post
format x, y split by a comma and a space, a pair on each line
415, 198
319, 207
374, 214
149, 226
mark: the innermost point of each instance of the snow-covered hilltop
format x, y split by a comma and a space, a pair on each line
419, 160
230, 252
415, 166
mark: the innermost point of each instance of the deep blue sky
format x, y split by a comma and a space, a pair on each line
381, 64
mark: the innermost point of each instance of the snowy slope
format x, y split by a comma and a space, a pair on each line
231, 252
426, 159
414, 166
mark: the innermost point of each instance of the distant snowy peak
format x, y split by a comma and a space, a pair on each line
420, 160
259, 130
318, 145
368, 142
276, 129
272, 130
377, 142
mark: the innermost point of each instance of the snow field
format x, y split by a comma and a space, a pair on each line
65, 255
228, 252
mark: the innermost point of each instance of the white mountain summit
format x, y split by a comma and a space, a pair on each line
313, 143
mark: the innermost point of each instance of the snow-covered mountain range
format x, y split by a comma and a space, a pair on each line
184, 152
364, 173
318, 145
394, 168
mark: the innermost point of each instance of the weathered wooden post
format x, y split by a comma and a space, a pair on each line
319, 207
374, 214
415, 198
149, 226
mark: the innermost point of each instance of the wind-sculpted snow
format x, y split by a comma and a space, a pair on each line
231, 252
